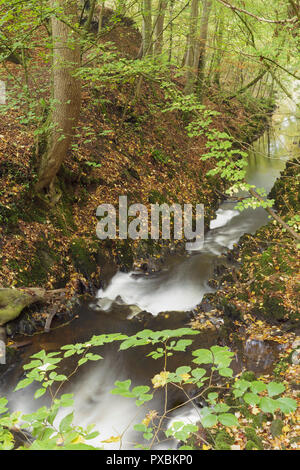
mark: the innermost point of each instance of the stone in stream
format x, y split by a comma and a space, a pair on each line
296, 357
2, 346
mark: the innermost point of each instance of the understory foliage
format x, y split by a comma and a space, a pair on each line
225, 398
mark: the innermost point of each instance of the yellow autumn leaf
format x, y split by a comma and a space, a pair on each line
112, 439
185, 377
205, 447
146, 421
78, 440
160, 380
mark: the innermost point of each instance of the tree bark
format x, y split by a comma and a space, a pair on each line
66, 94
207, 4
191, 49
147, 27
159, 26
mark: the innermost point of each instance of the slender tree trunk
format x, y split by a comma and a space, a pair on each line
159, 26
171, 30
147, 27
91, 14
219, 52
191, 49
66, 94
207, 4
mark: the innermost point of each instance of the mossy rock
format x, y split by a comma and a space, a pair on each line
273, 307
40, 265
83, 260
125, 256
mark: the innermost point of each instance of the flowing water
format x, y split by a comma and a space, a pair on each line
178, 288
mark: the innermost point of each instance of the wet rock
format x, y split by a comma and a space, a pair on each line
296, 357
260, 355
296, 344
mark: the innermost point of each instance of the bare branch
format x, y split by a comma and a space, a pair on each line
262, 19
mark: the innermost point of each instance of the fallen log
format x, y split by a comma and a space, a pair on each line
13, 301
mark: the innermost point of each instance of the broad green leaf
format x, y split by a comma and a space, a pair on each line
275, 388
204, 356
268, 405
257, 386
228, 419
209, 421
251, 398
287, 405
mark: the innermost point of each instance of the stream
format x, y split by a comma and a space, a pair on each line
177, 289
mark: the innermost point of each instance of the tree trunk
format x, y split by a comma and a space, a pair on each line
159, 26
171, 30
66, 94
191, 49
147, 27
207, 4
219, 52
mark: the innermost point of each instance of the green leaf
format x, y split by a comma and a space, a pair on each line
198, 373
24, 383
40, 392
225, 371
257, 386
183, 370
275, 388
287, 405
221, 408
228, 419
209, 420
276, 427
268, 405
204, 356
251, 398
242, 384
66, 422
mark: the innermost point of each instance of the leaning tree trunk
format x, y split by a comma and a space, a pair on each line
207, 4
66, 93
159, 26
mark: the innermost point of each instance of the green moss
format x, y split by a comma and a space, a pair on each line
254, 441
223, 441
155, 197
125, 256
82, 258
273, 307
40, 266
249, 376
